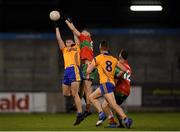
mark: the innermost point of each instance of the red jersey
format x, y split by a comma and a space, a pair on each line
123, 83
84, 38
86, 47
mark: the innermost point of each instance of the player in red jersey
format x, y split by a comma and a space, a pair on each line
122, 89
86, 55
123, 82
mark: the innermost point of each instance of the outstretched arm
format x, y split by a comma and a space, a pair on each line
72, 28
59, 39
76, 39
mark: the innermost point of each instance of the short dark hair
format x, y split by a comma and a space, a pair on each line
123, 54
104, 45
68, 37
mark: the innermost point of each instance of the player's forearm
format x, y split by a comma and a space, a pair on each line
76, 39
58, 34
90, 68
122, 67
70, 25
72, 28
59, 39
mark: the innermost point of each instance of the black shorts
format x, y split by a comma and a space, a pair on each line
120, 98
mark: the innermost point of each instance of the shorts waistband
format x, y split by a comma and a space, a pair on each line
72, 66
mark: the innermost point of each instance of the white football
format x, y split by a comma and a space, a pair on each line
54, 15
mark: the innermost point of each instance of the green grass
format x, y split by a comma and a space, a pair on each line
64, 121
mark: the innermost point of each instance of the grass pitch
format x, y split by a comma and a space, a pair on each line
64, 122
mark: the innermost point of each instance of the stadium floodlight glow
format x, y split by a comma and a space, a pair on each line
146, 8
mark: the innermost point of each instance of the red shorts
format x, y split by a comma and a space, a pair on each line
123, 87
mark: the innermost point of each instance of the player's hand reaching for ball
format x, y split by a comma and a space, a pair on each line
68, 18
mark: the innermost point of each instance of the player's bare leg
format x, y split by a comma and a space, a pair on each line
106, 108
88, 91
77, 100
112, 123
120, 121
112, 102
66, 90
93, 98
109, 113
81, 90
81, 94
87, 85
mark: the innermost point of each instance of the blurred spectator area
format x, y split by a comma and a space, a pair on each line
36, 64
29, 65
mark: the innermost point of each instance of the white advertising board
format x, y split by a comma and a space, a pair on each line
23, 102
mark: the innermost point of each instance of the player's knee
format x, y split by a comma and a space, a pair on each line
67, 94
90, 98
74, 94
113, 104
104, 106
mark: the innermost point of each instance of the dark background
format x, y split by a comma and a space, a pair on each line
32, 15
